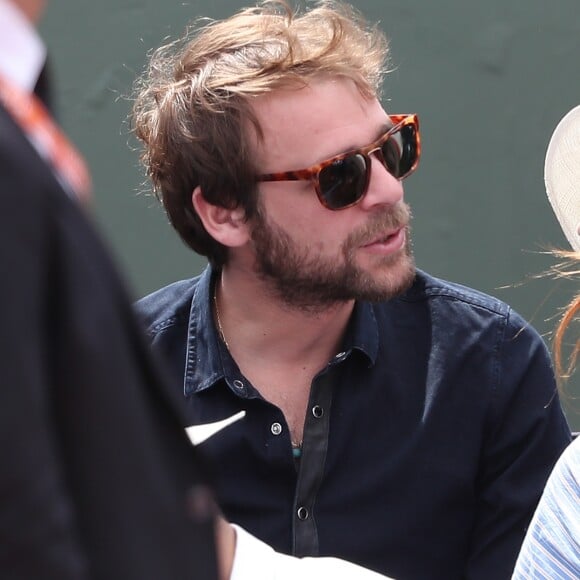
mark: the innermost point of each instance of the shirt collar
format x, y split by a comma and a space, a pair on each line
207, 361
203, 365
363, 332
22, 52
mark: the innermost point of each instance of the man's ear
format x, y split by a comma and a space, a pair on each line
227, 226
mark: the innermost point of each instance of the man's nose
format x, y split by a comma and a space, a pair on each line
384, 189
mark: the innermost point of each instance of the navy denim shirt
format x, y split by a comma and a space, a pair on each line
428, 440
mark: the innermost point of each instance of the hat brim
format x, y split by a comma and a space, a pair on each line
562, 175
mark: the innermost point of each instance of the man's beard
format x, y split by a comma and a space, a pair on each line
306, 281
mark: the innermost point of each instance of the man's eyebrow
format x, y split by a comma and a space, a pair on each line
384, 128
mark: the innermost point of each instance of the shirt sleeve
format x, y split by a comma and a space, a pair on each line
551, 548
524, 436
255, 560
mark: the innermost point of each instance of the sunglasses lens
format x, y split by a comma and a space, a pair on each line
343, 183
400, 151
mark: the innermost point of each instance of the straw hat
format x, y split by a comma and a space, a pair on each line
562, 175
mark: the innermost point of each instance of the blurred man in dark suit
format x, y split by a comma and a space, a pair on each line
98, 479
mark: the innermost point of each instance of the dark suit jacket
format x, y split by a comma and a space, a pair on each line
94, 465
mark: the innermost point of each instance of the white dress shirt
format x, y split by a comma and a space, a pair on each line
22, 52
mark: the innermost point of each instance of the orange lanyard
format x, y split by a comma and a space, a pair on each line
50, 142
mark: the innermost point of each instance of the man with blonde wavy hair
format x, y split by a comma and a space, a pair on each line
393, 419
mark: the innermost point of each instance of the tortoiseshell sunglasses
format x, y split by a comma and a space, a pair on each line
343, 180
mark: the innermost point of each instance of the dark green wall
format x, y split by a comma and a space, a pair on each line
490, 81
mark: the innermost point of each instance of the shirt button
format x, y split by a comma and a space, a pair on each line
276, 428
302, 513
239, 385
317, 411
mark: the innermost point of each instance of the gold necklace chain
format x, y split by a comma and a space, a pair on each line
296, 445
218, 319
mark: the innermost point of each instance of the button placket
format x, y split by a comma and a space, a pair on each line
312, 465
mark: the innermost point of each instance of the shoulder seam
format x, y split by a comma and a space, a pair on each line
497, 371
491, 304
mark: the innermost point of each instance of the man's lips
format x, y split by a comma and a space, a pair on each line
386, 238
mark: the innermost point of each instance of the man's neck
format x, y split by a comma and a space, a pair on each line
279, 349
254, 320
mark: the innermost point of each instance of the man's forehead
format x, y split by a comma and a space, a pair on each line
310, 123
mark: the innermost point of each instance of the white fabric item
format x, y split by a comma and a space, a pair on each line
199, 433
562, 175
22, 52
255, 560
